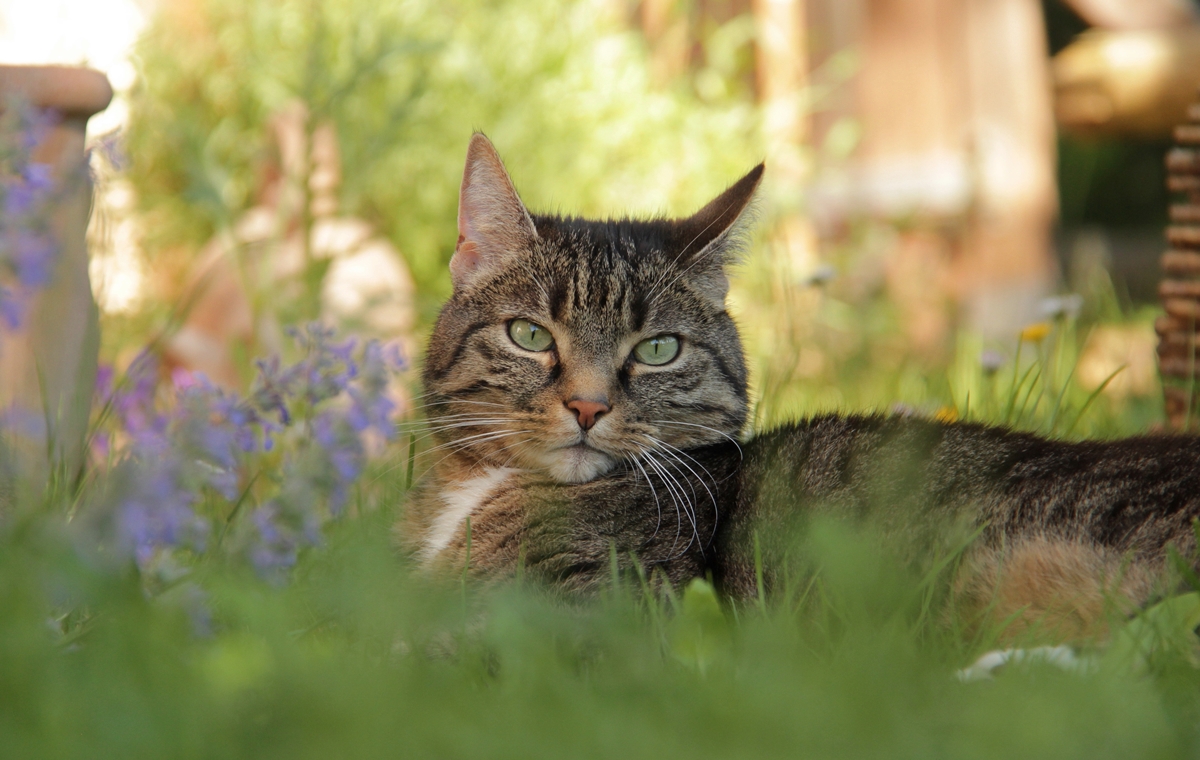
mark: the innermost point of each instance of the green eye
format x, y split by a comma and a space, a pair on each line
657, 350
529, 335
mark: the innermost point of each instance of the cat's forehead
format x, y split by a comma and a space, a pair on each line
617, 274
602, 280
626, 247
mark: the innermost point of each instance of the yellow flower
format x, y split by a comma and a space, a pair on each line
946, 414
1036, 332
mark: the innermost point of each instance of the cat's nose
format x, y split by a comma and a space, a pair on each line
587, 412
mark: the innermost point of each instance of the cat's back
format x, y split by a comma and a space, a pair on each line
1133, 493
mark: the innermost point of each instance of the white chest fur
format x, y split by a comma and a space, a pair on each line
460, 501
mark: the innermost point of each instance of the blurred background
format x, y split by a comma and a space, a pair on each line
942, 174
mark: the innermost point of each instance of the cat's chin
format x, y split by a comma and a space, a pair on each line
576, 464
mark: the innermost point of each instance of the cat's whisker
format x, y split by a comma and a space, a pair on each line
457, 401
657, 505
725, 435
678, 518
675, 453
466, 421
677, 493
675, 475
462, 443
459, 414
680, 477
499, 436
453, 424
432, 433
462, 415
445, 401
449, 418
447, 423
403, 462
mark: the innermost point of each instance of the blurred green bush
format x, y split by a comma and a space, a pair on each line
562, 87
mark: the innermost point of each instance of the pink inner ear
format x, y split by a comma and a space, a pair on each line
465, 259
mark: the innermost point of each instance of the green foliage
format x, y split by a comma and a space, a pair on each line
359, 658
560, 87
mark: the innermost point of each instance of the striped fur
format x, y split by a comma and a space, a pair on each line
1067, 532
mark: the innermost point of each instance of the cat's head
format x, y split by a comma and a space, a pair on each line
572, 345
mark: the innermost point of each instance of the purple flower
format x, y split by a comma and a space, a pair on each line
101, 445
11, 310
33, 256
170, 458
371, 412
26, 195
276, 549
158, 514
104, 381
27, 249
133, 400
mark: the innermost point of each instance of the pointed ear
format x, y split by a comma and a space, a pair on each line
492, 221
708, 240
711, 223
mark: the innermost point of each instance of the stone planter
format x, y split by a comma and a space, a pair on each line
48, 366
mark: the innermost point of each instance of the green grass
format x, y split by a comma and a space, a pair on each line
360, 656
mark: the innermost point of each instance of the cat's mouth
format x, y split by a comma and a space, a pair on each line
579, 447
577, 463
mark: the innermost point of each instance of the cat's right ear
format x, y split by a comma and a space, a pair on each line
492, 221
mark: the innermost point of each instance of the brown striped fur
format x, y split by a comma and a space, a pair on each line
1068, 533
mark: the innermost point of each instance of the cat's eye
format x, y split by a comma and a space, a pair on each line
657, 350
530, 335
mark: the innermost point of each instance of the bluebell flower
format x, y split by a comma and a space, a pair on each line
276, 549
27, 249
158, 514
10, 309
206, 439
33, 256
25, 196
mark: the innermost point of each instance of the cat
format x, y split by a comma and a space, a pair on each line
587, 390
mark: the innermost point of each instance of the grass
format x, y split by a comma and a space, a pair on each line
358, 656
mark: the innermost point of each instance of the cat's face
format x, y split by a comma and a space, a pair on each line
570, 346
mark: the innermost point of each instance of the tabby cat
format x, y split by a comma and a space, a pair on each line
586, 387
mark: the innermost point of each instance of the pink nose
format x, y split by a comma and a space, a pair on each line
587, 412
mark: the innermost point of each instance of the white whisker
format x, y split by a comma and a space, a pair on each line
675, 453
676, 490
727, 436
457, 450
657, 505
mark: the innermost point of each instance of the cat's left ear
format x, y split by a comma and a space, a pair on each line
709, 239
492, 222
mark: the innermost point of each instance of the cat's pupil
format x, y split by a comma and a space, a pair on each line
657, 350
529, 335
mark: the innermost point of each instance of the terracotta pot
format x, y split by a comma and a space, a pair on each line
48, 366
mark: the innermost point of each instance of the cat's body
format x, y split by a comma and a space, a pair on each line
588, 389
